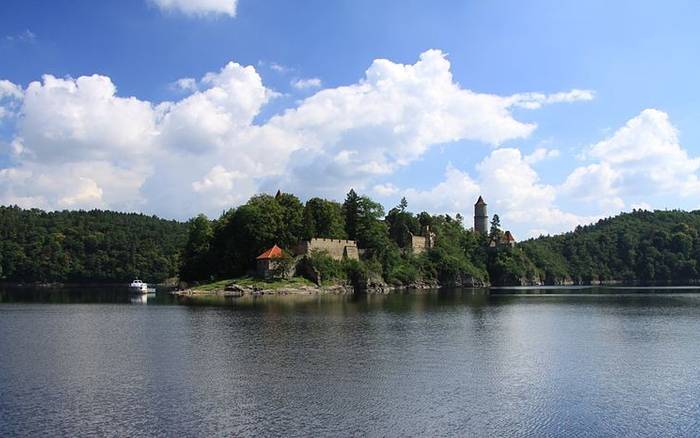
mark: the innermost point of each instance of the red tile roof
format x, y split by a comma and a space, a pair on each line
273, 253
508, 237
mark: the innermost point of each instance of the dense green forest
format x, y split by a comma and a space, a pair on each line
227, 247
642, 246
87, 246
637, 247
102, 246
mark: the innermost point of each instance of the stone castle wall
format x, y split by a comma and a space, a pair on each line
336, 248
420, 244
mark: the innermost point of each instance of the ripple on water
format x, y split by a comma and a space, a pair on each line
406, 365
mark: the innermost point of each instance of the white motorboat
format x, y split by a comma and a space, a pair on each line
138, 286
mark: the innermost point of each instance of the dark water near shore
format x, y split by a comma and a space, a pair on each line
595, 362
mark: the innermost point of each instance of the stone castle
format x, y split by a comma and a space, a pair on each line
481, 226
423, 242
481, 217
338, 249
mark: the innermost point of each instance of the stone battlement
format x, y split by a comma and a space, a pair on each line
338, 249
324, 240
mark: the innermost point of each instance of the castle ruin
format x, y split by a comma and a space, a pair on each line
424, 242
338, 249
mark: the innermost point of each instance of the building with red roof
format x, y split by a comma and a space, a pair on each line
272, 263
506, 239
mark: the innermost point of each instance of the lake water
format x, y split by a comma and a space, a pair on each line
613, 362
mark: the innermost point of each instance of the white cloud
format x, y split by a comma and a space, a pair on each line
595, 183
78, 143
541, 154
185, 84
89, 184
389, 119
199, 7
642, 206
537, 100
386, 189
641, 159
455, 194
304, 84
23, 37
83, 119
235, 186
207, 119
10, 96
279, 68
10, 90
87, 192
512, 189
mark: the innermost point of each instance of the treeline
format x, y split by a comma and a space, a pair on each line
87, 246
637, 247
227, 247
103, 246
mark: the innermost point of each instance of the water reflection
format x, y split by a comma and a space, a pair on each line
142, 298
94, 294
452, 362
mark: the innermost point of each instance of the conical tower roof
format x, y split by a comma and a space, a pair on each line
480, 201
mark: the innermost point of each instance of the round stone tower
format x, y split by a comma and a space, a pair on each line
481, 217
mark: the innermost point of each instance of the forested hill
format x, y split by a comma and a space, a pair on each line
87, 246
103, 246
642, 246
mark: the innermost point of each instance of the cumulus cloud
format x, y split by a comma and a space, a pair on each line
388, 120
455, 194
89, 184
83, 119
386, 189
199, 7
207, 119
537, 100
78, 143
10, 96
595, 183
304, 84
185, 84
642, 158
512, 189
541, 154
236, 186
10, 90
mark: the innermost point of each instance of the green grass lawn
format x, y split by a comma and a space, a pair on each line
255, 282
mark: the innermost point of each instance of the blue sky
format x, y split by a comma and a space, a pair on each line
446, 117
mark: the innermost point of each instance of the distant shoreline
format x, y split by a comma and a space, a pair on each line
230, 288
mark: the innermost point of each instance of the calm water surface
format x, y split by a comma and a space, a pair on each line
456, 363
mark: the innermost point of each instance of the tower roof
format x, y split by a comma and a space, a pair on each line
273, 253
480, 201
508, 237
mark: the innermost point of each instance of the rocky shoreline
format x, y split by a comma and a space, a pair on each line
371, 287
381, 288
